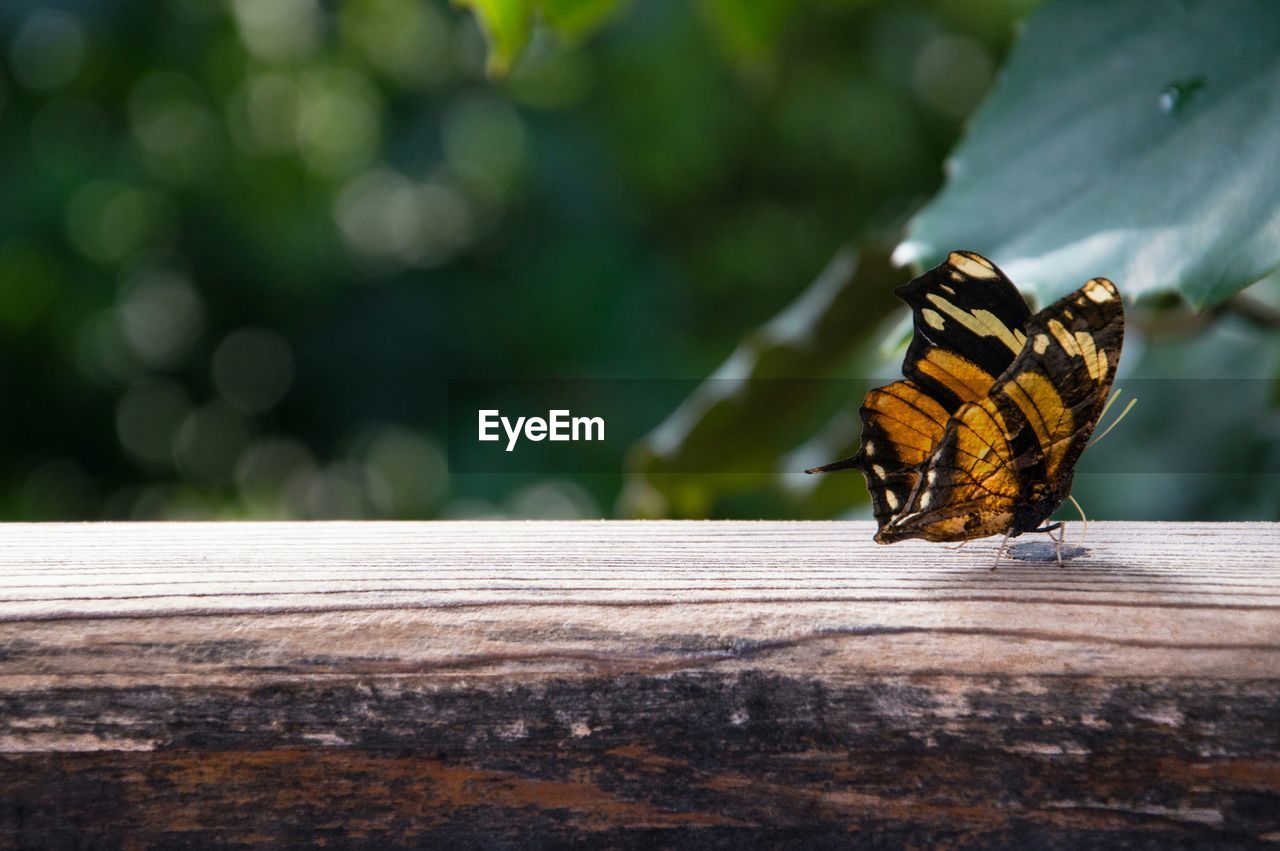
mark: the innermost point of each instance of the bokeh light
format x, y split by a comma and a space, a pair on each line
102, 353
265, 472
48, 50
264, 114
253, 368
209, 441
112, 221
553, 500
58, 489
161, 315
406, 40
408, 472
175, 126
279, 30
148, 416
385, 216
484, 142
338, 122
329, 493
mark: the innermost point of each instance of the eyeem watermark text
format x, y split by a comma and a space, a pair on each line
559, 425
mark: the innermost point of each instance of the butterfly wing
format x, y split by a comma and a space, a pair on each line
1005, 463
901, 424
967, 488
1060, 385
968, 321
968, 326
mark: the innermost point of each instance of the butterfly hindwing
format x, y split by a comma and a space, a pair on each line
901, 425
967, 488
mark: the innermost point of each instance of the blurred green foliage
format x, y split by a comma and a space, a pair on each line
509, 24
245, 244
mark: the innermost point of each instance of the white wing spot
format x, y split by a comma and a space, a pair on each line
891, 499
925, 499
984, 323
1098, 291
878, 470
869, 448
1091, 355
1064, 338
933, 318
972, 265
1041, 344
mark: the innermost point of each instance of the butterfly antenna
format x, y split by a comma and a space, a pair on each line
1110, 401
1084, 528
847, 464
1116, 422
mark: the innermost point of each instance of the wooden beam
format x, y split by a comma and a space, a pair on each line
701, 683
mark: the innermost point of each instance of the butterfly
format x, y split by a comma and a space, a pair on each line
982, 435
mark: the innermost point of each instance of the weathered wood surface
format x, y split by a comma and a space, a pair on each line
619, 684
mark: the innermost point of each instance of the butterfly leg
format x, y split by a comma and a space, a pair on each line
1058, 541
958, 546
1003, 544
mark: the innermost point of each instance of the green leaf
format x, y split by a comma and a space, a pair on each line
573, 19
506, 25
1134, 140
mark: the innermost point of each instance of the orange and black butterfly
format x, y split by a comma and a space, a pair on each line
982, 436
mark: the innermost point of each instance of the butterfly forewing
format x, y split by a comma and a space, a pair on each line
968, 323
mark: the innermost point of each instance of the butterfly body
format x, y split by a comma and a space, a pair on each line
982, 435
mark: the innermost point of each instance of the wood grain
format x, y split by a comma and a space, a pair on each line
619, 684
